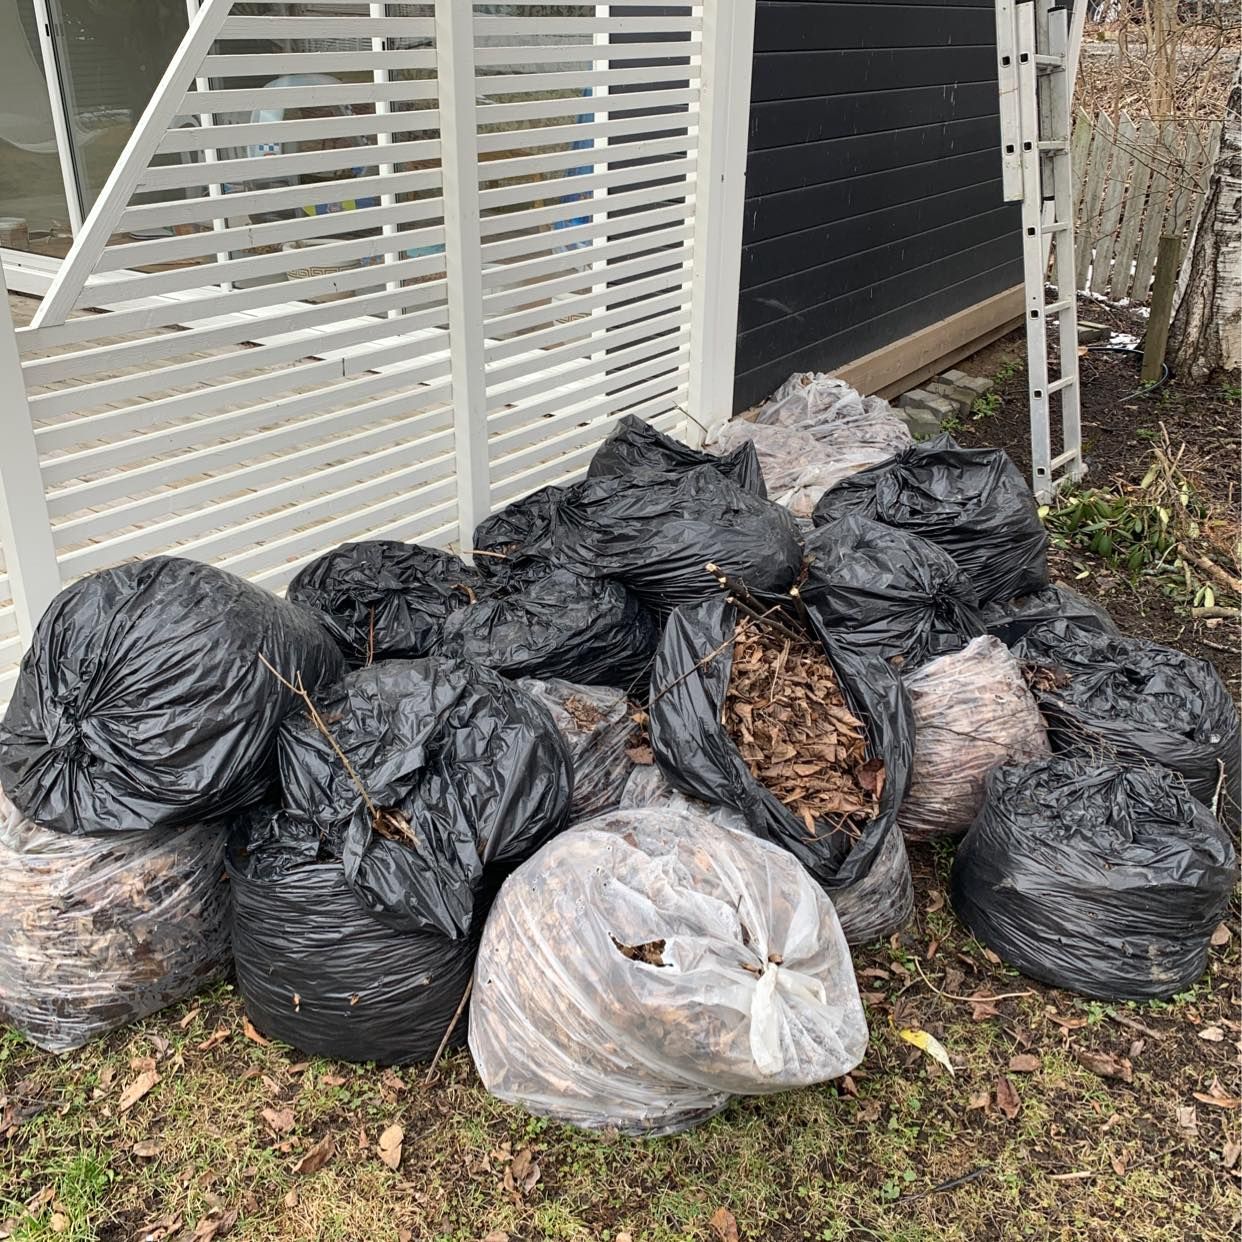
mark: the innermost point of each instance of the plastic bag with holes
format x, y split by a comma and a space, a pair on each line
972, 712
645, 966
98, 932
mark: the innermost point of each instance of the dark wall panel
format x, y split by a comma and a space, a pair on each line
873, 202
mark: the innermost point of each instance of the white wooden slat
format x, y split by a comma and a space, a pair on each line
226, 455
543, 445
525, 352
637, 343
617, 203
1153, 219
324, 463
1098, 159
334, 95
223, 366
275, 64
242, 523
584, 183
10, 653
124, 447
361, 27
240, 134
544, 242
487, 27
350, 526
632, 293
692, 9
294, 164
1135, 205
165, 312
628, 128
536, 413
491, 85
559, 161
585, 53
508, 275
584, 105
126, 255
507, 299
1110, 218
309, 318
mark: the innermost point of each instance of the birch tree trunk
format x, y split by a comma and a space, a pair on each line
1206, 335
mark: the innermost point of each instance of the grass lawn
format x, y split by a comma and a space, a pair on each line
1045, 1145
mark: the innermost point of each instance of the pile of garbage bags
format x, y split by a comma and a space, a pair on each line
426, 799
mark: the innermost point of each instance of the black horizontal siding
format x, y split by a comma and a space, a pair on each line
873, 203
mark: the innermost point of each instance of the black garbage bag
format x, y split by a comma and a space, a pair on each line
655, 533
555, 623
1099, 878
598, 725
635, 445
383, 600
317, 971
868, 878
1136, 702
888, 592
1010, 620
517, 535
462, 770
973, 503
143, 703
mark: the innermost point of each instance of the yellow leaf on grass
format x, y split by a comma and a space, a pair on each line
928, 1044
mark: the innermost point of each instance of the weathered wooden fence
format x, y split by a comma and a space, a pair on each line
1134, 180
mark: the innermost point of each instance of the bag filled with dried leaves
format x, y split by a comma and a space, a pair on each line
972, 503
815, 755
383, 600
1095, 877
143, 702
644, 967
465, 775
555, 623
600, 730
1010, 620
972, 712
635, 445
517, 535
1136, 702
98, 932
887, 593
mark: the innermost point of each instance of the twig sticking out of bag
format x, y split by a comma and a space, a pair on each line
747, 603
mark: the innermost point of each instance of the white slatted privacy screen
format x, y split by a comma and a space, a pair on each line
372, 270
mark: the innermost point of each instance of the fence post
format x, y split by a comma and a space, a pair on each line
25, 528
720, 188
463, 255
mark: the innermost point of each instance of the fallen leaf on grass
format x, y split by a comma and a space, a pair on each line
1230, 1153
59, 1222
521, 1175
979, 1100
147, 1148
142, 1063
1068, 1024
279, 1120
981, 1007
332, 1080
291, 1199
725, 1224
992, 957
189, 1017
1217, 1096
215, 1039
1213, 1034
1007, 1098
1119, 1165
317, 1157
625, 1236
868, 1111
1023, 1063
211, 1227
389, 1147
136, 1090
496, 1235
253, 1035
1221, 936
1105, 1064
1186, 1117
928, 1044
936, 903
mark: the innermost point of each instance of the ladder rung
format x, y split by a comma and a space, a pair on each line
1051, 62
1064, 382
1055, 307
1058, 226
1063, 458
1052, 146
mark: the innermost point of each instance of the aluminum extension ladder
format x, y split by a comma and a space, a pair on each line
1037, 58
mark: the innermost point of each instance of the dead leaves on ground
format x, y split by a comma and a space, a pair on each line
278, 1120
521, 1176
1105, 1064
1007, 1098
317, 1157
137, 1089
725, 1225
389, 1147
1024, 1063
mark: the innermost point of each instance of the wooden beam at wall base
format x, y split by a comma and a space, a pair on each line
904, 364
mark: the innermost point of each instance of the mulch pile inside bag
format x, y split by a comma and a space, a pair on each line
1095, 877
97, 932
644, 967
973, 503
1136, 702
972, 712
383, 600
143, 702
791, 724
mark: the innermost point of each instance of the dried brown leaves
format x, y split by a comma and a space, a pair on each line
789, 720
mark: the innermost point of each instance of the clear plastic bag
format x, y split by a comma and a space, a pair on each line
972, 712
647, 788
643, 967
599, 729
97, 932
